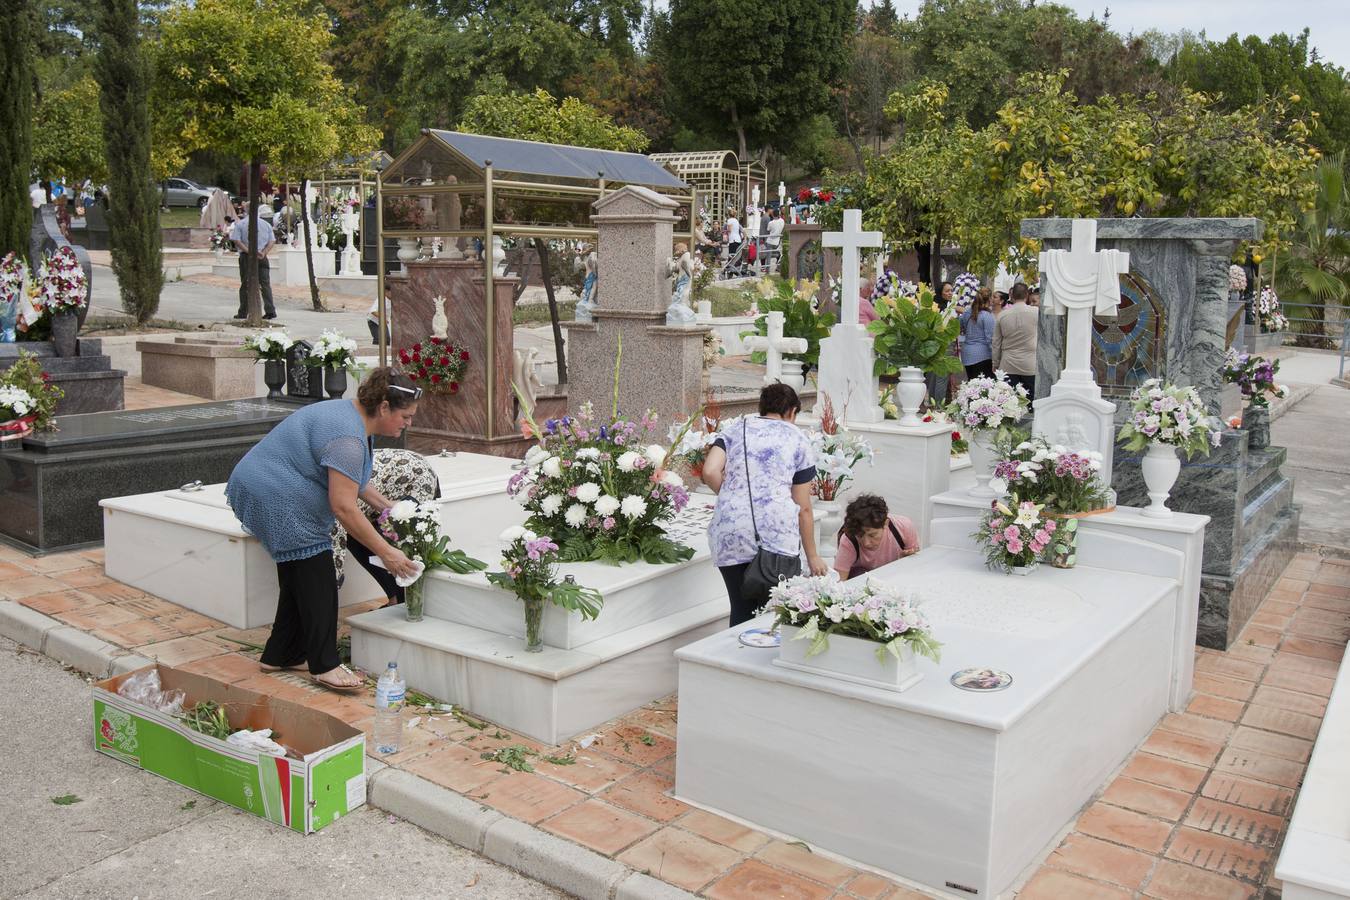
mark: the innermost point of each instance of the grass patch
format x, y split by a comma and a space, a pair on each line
537, 313
726, 301
180, 217
109, 325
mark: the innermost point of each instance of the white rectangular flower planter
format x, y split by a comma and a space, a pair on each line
850, 659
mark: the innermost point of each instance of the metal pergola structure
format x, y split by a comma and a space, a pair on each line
357, 173
714, 174
754, 173
462, 187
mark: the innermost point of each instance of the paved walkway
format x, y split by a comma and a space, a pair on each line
1197, 812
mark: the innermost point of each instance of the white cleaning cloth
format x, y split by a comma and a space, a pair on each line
398, 579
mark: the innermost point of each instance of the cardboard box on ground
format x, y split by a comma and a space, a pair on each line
301, 794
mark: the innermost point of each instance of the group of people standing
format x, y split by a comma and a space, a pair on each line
998, 332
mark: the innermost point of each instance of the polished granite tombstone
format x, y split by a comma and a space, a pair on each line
89, 381
1173, 323
51, 483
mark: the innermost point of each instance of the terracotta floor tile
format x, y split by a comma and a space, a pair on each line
657, 721
1176, 881
635, 744
1261, 637
1261, 767
1279, 607
530, 798
1237, 822
1215, 707
1223, 686
603, 828
1274, 620
1251, 794
417, 740
1330, 590
723, 831
870, 887
1223, 665
1322, 601
1298, 681
1150, 799
492, 738
1053, 884
10, 571
114, 591
1167, 772
645, 793
592, 772
805, 863
57, 562
1320, 625
1290, 583
189, 622
752, 880
102, 615
1219, 854
150, 607
179, 650
138, 632
93, 554
1123, 826
1310, 647
1197, 726
27, 586
80, 578
1281, 745
454, 767
59, 602
1189, 749
1294, 701
1300, 664
1105, 862
1283, 721
683, 859
228, 667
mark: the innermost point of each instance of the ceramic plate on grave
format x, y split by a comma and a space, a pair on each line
762, 638
981, 680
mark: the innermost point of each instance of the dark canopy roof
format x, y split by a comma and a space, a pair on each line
559, 160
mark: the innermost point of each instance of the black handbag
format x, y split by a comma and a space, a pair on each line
768, 568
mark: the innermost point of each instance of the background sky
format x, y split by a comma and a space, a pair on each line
1328, 21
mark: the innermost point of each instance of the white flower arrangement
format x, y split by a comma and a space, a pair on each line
1237, 278
271, 344
1167, 414
333, 351
61, 283
15, 403
875, 611
989, 404
1269, 313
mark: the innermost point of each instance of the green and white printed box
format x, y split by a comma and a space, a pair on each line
305, 794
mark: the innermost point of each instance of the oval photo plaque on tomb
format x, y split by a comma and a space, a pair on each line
981, 680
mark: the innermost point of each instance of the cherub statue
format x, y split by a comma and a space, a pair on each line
586, 305
682, 270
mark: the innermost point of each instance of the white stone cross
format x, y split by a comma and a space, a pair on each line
850, 241
1079, 283
774, 346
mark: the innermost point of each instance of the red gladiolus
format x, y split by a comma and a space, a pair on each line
464, 355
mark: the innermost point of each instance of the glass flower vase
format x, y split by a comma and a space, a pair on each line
412, 600
534, 618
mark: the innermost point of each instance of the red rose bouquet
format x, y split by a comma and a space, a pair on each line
437, 363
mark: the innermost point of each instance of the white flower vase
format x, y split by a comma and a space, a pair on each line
850, 659
220, 255
1023, 570
982, 462
1160, 466
407, 251
831, 518
909, 394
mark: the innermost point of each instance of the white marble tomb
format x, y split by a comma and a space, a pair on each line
958, 792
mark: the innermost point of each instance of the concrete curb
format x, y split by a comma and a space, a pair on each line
531, 851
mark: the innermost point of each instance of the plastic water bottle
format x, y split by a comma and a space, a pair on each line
389, 691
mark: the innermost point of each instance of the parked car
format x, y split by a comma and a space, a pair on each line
182, 192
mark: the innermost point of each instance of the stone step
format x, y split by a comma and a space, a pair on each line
1263, 508
1262, 469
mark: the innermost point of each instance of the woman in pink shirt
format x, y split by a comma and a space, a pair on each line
871, 537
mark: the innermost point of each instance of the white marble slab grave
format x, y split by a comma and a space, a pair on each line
953, 790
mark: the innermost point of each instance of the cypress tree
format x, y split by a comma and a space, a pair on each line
133, 199
16, 137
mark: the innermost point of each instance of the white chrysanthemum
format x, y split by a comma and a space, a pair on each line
550, 505
588, 453
535, 455
656, 454
403, 510
588, 492
627, 462
514, 533
672, 479
633, 506
552, 467
575, 515
607, 505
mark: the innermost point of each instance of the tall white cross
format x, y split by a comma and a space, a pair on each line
850, 241
1080, 282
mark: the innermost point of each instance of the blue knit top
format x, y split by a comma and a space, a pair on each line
279, 490
979, 343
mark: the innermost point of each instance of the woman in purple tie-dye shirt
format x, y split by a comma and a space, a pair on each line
781, 473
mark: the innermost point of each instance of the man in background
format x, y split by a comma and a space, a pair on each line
266, 238
1015, 340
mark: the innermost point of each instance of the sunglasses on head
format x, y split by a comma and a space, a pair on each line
415, 392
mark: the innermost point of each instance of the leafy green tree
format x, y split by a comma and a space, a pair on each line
751, 70
16, 110
68, 133
1315, 273
254, 106
133, 209
538, 117
878, 65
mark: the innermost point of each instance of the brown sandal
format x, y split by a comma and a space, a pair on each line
356, 685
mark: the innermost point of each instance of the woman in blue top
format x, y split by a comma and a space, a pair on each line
977, 349
766, 461
288, 490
